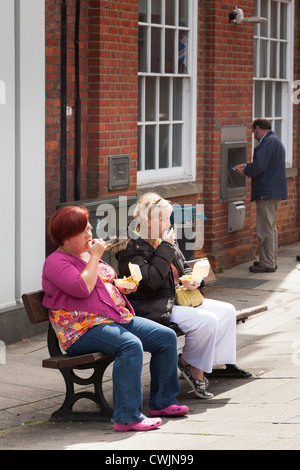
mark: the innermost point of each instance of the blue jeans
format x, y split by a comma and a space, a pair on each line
126, 342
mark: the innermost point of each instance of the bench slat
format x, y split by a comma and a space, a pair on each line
36, 312
63, 361
248, 312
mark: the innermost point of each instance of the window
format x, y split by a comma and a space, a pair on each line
167, 90
273, 68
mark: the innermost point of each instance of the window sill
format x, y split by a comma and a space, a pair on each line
172, 190
291, 172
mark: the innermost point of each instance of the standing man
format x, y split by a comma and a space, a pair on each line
268, 187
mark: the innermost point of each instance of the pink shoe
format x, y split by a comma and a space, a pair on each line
172, 410
146, 425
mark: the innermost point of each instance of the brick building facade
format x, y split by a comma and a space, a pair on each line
107, 82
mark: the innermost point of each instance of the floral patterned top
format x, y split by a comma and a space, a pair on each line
70, 326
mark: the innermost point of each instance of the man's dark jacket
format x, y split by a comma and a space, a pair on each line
268, 169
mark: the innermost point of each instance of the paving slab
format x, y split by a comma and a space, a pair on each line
261, 413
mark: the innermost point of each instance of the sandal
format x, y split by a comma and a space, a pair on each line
172, 410
146, 425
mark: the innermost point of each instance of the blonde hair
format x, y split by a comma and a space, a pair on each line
146, 203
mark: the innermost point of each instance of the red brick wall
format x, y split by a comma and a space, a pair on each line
53, 101
225, 99
109, 102
113, 90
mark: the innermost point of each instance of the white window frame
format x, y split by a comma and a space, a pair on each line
286, 102
187, 171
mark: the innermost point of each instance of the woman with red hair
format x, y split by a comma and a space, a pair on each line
89, 314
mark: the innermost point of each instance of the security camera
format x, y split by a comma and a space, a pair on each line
237, 17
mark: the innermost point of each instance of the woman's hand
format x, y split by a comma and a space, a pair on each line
169, 236
127, 291
97, 247
90, 273
190, 285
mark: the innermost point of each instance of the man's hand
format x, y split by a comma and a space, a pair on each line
240, 169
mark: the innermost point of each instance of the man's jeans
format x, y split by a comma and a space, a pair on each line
126, 342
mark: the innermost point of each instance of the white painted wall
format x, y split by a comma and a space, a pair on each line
22, 148
7, 155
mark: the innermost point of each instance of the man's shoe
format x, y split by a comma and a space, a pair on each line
258, 268
256, 263
298, 258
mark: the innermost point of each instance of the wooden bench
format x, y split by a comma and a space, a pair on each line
67, 365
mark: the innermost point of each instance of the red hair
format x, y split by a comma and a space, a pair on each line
68, 222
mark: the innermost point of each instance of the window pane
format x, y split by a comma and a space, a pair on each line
143, 11
258, 99
274, 32
278, 125
177, 99
268, 100
142, 49
170, 12
139, 161
150, 99
255, 57
149, 147
183, 52
163, 53
156, 11
177, 145
264, 13
273, 59
164, 146
282, 70
164, 99
271, 65
183, 12
140, 115
278, 98
155, 50
283, 21
256, 30
263, 58
170, 37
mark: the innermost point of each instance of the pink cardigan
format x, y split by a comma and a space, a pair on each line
65, 289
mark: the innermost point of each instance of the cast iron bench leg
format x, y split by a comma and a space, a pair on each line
66, 413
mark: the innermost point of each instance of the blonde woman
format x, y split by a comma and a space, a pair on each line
210, 329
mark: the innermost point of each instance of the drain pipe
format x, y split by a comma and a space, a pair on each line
78, 106
63, 103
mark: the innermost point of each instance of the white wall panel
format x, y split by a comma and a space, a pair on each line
7, 154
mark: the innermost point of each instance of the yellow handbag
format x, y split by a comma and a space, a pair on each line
188, 298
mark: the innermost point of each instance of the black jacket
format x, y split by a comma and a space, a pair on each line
155, 296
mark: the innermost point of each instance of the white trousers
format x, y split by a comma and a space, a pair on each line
210, 331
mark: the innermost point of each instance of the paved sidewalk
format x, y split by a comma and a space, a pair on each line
258, 413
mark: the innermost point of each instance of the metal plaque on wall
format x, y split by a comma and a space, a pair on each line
119, 172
